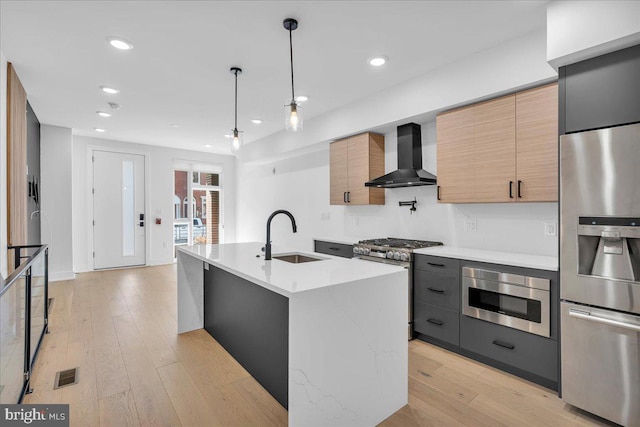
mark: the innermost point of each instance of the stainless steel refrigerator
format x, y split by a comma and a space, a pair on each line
600, 272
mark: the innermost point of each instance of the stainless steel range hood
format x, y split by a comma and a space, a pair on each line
410, 172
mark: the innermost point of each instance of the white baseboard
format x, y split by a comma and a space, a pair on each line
161, 261
61, 275
82, 268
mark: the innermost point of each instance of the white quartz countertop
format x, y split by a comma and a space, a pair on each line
539, 262
247, 261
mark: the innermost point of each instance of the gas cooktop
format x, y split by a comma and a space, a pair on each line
396, 243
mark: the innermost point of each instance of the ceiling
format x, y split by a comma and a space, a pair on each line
178, 71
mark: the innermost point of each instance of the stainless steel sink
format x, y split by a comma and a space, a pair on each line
296, 258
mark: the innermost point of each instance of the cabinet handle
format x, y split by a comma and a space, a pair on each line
504, 344
438, 192
519, 185
348, 196
344, 197
435, 322
438, 291
435, 264
334, 248
511, 189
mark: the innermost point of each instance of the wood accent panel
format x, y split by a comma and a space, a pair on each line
16, 161
339, 171
455, 156
444, 388
537, 143
376, 167
495, 149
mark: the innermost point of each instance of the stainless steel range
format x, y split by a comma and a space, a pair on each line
395, 251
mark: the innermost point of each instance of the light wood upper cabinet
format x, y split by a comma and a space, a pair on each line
537, 143
495, 150
354, 161
455, 156
500, 151
338, 173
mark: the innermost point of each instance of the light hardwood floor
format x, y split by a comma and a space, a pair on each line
119, 328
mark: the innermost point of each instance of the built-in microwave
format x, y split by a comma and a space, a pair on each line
512, 300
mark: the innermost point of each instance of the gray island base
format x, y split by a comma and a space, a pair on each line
326, 338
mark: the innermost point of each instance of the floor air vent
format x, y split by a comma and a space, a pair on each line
65, 378
49, 304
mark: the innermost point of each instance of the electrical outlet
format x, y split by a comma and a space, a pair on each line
470, 225
550, 229
325, 216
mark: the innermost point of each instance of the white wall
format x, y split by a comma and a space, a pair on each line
3, 167
579, 30
159, 196
56, 166
301, 185
520, 62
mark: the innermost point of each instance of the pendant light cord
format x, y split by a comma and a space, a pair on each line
236, 110
293, 97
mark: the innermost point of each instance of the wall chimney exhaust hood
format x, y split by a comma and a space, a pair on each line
410, 172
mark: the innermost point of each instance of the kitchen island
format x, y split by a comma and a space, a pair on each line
326, 338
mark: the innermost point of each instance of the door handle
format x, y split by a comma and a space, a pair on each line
504, 344
519, 187
511, 189
435, 322
602, 320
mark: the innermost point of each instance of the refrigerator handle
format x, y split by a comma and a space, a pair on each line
579, 314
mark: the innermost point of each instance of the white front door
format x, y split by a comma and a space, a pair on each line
118, 210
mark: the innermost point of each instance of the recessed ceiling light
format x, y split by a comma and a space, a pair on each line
99, 130
227, 135
103, 114
110, 90
119, 43
114, 105
302, 98
256, 121
377, 61
207, 145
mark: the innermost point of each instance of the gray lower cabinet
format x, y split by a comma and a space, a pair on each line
331, 248
438, 319
252, 324
437, 322
436, 298
530, 353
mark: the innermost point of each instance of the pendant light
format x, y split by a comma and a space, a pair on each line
293, 118
236, 141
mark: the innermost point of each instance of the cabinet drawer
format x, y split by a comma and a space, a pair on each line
330, 248
436, 288
437, 322
531, 353
440, 265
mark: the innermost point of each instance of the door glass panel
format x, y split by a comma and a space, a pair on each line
180, 212
128, 209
